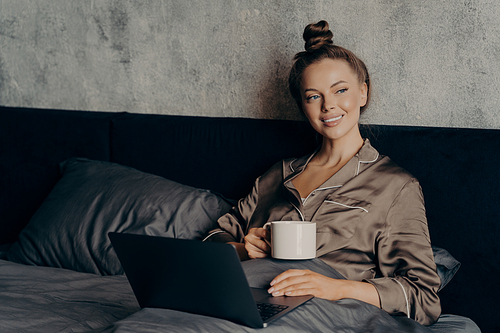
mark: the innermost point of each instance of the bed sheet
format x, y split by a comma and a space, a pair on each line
44, 299
317, 315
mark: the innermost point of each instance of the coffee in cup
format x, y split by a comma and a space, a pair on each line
292, 240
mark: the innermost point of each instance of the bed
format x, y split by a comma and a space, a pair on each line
70, 177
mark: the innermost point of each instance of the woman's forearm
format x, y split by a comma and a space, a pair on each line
362, 291
295, 282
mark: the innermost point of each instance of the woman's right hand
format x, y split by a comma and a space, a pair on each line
257, 243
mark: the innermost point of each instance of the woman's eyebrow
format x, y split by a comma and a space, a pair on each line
337, 83
333, 85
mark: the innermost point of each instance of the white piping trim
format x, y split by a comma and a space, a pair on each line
326, 188
213, 233
406, 298
306, 163
319, 189
359, 163
298, 210
376, 157
338, 203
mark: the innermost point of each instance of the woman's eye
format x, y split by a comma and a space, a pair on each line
341, 91
313, 97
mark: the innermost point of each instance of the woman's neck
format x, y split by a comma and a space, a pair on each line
331, 157
338, 151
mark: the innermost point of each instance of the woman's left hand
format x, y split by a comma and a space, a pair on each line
296, 282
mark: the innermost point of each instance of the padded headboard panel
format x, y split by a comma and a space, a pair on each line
221, 154
32, 144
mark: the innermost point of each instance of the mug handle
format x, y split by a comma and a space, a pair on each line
267, 226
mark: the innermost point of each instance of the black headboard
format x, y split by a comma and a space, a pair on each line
457, 168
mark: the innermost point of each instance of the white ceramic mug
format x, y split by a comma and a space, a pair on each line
292, 239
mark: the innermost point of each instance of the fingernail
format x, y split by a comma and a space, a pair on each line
270, 290
273, 282
288, 293
276, 293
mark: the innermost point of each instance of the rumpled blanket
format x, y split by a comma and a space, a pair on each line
317, 315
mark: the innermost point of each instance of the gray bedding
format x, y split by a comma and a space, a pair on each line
44, 299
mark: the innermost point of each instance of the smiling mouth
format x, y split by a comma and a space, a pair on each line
332, 119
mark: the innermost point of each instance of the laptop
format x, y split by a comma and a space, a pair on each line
198, 277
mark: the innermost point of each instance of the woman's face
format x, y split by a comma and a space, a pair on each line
332, 98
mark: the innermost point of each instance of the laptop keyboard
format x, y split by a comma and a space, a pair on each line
268, 310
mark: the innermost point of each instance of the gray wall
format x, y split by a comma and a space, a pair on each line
433, 63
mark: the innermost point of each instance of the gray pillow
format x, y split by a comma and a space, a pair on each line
92, 198
447, 265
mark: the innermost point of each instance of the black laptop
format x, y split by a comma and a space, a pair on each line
197, 277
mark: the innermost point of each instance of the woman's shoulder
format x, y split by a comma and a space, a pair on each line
288, 166
387, 173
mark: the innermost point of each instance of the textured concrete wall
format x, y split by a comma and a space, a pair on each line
432, 62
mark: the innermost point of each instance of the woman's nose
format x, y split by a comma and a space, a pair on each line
328, 103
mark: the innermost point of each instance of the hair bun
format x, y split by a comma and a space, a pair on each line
316, 35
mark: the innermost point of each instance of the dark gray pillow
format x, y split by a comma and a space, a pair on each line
447, 265
92, 198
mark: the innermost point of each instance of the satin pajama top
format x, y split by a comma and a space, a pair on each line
371, 226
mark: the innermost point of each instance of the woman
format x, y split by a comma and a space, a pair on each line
370, 215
